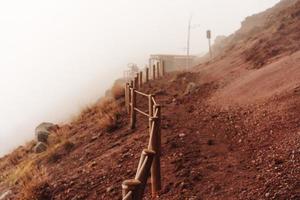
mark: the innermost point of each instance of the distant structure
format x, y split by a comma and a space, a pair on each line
172, 62
131, 71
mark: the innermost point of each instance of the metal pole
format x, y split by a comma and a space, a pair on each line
210, 52
188, 44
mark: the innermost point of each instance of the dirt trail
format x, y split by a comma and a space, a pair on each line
235, 136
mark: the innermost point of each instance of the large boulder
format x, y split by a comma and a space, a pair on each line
40, 147
43, 130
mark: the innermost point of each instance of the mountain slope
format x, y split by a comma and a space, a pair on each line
236, 136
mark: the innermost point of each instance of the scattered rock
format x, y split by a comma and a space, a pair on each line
40, 147
42, 136
5, 194
181, 135
42, 131
267, 194
191, 87
45, 126
109, 189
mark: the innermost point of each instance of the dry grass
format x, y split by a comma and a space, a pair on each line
37, 188
117, 91
22, 168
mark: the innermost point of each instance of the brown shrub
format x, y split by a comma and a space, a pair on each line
117, 91
37, 188
109, 111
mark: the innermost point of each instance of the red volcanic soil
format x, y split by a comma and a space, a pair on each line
235, 136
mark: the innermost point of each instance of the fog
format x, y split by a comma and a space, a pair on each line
58, 56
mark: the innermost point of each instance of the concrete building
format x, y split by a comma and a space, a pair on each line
173, 62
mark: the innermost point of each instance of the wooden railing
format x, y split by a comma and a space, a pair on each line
149, 163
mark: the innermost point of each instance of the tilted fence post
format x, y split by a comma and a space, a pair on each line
131, 185
143, 171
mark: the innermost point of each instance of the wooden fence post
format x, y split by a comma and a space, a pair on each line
150, 65
132, 109
136, 80
155, 145
153, 72
141, 78
127, 94
155, 168
132, 185
144, 169
163, 68
150, 102
147, 74
158, 68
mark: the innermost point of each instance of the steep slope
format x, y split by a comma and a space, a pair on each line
235, 136
264, 58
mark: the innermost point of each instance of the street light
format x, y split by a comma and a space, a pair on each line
208, 35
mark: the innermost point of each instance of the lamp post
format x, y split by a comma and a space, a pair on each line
208, 35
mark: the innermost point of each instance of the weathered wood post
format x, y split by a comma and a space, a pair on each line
132, 108
144, 169
127, 94
150, 64
163, 68
147, 74
132, 185
150, 102
154, 145
158, 68
153, 72
141, 78
136, 80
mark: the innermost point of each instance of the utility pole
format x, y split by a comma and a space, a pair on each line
190, 26
208, 35
188, 44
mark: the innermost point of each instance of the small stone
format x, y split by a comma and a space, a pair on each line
267, 194
40, 147
181, 135
109, 189
191, 87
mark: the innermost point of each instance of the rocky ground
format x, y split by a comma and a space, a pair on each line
230, 130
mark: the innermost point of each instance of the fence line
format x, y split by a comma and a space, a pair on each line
149, 163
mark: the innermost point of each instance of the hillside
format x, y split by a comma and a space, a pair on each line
236, 135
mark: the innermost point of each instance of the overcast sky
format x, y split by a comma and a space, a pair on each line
57, 56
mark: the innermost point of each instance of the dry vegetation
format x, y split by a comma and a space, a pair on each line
27, 171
